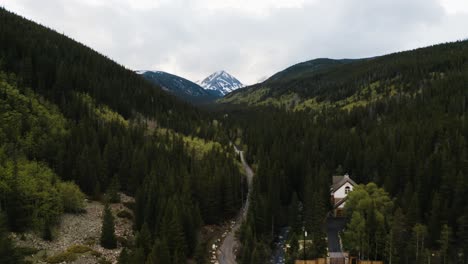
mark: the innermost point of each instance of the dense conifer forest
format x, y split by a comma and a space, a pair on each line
411, 143
70, 115
75, 124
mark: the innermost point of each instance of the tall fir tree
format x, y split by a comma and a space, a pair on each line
108, 239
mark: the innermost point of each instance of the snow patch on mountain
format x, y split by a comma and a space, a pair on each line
222, 82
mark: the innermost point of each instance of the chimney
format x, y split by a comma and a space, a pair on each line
346, 175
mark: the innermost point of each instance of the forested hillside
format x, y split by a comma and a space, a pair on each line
55, 66
347, 83
413, 144
70, 114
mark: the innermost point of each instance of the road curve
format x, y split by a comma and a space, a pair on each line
226, 252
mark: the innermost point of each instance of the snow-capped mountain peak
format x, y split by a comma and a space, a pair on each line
222, 82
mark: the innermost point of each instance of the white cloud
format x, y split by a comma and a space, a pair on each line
455, 6
250, 39
258, 7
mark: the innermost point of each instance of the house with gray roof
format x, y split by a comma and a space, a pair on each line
339, 191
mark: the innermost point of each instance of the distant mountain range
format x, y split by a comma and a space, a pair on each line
180, 87
211, 88
221, 82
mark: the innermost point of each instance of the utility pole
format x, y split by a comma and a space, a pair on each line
304, 242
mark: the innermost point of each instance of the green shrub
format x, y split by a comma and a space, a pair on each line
62, 257
90, 241
27, 251
130, 205
104, 261
125, 214
79, 249
72, 197
33, 195
123, 241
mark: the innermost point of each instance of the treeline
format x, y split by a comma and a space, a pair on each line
414, 146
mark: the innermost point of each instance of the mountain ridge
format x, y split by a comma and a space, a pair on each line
179, 86
348, 83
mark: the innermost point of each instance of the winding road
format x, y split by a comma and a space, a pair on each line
226, 252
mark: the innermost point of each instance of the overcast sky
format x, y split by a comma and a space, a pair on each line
250, 39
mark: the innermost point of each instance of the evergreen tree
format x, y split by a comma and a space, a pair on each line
419, 236
463, 234
444, 242
47, 231
108, 239
355, 236
112, 194
143, 239
138, 256
124, 257
8, 254
396, 238
159, 253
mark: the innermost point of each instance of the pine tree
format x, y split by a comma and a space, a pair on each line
463, 233
112, 194
257, 256
108, 239
47, 231
153, 256
294, 216
355, 235
172, 230
124, 257
159, 253
17, 216
444, 242
396, 238
143, 239
434, 220
419, 234
8, 254
138, 256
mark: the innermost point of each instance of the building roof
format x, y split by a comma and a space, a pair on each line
339, 181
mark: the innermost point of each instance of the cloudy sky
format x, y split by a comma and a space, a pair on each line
250, 39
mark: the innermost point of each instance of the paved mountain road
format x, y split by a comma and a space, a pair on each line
334, 227
226, 252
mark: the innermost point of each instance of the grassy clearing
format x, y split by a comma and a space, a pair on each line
198, 145
103, 112
254, 97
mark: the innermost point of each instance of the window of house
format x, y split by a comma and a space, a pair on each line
347, 189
